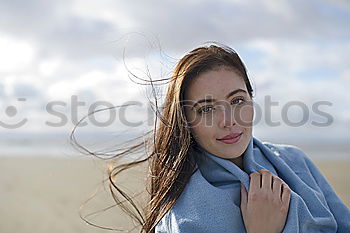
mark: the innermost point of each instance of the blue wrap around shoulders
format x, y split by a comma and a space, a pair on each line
211, 201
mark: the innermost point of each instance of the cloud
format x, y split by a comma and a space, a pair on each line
230, 21
2, 90
25, 90
53, 50
81, 29
53, 28
16, 54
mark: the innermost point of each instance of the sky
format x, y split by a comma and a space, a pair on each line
62, 59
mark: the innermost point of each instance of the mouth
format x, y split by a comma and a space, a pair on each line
230, 138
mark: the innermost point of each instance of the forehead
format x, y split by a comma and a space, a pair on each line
215, 83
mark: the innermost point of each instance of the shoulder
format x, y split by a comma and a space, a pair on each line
296, 162
292, 155
197, 194
286, 149
196, 209
192, 206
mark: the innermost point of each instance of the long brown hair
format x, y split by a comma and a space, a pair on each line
171, 161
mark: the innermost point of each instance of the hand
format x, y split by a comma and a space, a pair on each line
265, 207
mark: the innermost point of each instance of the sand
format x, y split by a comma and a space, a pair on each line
44, 194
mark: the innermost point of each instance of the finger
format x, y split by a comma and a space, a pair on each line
266, 179
276, 186
244, 197
285, 193
255, 181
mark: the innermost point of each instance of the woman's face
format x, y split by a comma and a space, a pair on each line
218, 105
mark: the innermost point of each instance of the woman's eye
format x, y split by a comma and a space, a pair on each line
205, 109
235, 100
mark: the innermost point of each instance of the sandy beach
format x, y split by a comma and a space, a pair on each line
40, 195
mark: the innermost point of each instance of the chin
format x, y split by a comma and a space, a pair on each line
234, 150
232, 156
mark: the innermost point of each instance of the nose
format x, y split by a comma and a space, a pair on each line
226, 118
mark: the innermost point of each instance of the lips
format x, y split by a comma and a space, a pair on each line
230, 136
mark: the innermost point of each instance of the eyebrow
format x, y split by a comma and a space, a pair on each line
213, 100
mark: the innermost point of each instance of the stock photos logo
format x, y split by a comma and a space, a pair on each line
125, 115
11, 112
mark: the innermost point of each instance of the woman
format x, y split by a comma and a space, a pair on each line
209, 174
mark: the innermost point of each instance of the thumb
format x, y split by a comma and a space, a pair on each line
244, 197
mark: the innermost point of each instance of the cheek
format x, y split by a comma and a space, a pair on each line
201, 133
200, 121
202, 128
244, 115
206, 122
195, 124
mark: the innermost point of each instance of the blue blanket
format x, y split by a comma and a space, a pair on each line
210, 201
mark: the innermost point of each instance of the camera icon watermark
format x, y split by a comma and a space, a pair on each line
11, 111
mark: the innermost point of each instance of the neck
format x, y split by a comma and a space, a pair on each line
238, 161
